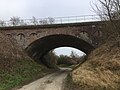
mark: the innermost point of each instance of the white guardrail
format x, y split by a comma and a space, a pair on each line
16, 21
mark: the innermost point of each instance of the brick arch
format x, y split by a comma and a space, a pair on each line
84, 33
21, 36
33, 34
9, 35
40, 47
98, 33
69, 31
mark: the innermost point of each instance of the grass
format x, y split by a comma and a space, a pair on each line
16, 68
101, 71
97, 79
23, 72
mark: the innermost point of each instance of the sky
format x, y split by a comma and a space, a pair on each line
26, 9
67, 51
44, 8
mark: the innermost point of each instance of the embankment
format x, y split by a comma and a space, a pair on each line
101, 71
16, 68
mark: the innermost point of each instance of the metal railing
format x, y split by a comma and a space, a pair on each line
50, 20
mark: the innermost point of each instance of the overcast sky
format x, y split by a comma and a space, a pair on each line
67, 51
45, 8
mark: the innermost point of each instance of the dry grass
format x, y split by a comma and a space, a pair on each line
9, 53
101, 71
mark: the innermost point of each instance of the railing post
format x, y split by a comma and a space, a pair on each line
84, 18
61, 20
68, 20
76, 19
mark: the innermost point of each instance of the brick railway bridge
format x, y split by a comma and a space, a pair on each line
37, 40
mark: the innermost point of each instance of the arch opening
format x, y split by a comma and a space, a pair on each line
42, 46
66, 57
67, 51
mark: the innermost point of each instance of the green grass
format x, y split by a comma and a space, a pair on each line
21, 73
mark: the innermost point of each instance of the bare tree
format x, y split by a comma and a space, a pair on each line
15, 21
2, 23
22, 22
51, 20
43, 21
110, 10
48, 20
107, 9
34, 20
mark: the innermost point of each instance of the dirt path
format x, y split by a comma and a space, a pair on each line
50, 82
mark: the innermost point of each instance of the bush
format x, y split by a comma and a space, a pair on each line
65, 60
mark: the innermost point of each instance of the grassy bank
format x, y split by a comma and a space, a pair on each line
21, 73
70, 85
101, 71
16, 68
